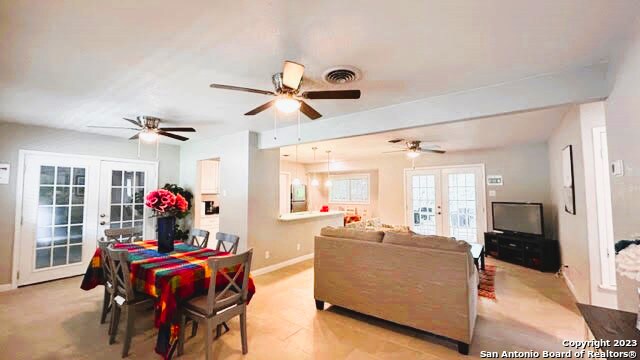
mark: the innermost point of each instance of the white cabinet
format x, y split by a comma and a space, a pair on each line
211, 223
209, 176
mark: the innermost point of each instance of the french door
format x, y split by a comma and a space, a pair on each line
61, 217
123, 186
447, 202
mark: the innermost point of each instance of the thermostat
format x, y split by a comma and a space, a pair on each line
494, 180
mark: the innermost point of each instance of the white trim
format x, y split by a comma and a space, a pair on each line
17, 232
572, 288
6, 287
274, 267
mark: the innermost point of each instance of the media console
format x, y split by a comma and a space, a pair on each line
531, 251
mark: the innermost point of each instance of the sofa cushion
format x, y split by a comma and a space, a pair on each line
425, 241
346, 233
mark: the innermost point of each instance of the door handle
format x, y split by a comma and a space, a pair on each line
102, 222
103, 215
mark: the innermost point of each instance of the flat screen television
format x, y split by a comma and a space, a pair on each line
521, 218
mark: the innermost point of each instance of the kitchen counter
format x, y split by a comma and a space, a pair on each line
304, 215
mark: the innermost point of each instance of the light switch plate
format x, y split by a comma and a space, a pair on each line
5, 170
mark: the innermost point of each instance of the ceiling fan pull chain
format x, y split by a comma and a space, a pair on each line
157, 146
299, 125
138, 147
275, 124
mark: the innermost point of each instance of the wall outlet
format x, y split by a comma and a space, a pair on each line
492, 193
298, 247
267, 254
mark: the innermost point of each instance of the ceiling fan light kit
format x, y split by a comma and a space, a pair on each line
287, 104
148, 136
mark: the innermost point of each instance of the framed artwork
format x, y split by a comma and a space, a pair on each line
568, 188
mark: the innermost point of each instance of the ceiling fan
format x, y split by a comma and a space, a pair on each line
287, 92
414, 149
148, 129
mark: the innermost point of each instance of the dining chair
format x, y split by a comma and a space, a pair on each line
227, 242
125, 297
123, 235
220, 304
198, 238
108, 279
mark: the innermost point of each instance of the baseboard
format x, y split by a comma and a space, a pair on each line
5, 287
570, 286
274, 267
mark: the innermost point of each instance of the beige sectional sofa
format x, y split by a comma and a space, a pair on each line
425, 282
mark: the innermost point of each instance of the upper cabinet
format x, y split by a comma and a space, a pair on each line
209, 176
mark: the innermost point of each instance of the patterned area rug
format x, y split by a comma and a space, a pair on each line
487, 287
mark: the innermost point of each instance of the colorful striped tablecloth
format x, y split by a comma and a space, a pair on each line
170, 278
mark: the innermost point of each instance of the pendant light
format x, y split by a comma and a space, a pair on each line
296, 180
328, 183
314, 180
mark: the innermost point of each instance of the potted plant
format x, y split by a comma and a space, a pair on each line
166, 206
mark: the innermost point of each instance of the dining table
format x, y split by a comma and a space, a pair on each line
170, 278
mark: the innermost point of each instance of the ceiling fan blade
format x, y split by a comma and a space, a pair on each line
134, 137
134, 122
292, 74
309, 111
183, 129
112, 127
240, 88
332, 94
174, 136
261, 108
395, 151
433, 151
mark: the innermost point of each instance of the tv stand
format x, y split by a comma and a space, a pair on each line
531, 251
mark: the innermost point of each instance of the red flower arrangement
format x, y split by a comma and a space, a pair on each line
165, 203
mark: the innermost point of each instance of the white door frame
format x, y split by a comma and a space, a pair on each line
603, 208
288, 174
482, 193
17, 232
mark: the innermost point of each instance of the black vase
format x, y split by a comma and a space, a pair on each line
166, 233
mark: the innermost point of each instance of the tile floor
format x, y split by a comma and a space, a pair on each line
57, 320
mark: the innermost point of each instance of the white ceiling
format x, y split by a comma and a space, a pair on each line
72, 64
487, 133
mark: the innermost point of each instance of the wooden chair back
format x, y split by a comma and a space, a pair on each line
237, 289
227, 242
123, 235
120, 271
106, 265
198, 238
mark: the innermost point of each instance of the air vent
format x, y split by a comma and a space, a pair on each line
341, 75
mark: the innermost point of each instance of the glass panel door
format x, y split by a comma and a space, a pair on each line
463, 203
125, 185
424, 215
59, 203
60, 219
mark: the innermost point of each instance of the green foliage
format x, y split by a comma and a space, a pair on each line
186, 194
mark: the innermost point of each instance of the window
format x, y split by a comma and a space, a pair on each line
349, 189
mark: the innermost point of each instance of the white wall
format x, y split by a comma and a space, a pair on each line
249, 204
14, 137
524, 168
623, 132
233, 152
571, 229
